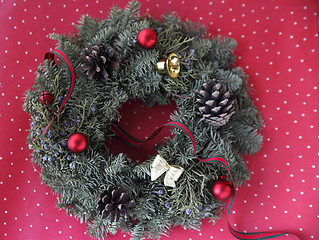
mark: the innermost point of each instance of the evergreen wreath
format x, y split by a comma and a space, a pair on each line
111, 192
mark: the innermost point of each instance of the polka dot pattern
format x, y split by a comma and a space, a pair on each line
278, 49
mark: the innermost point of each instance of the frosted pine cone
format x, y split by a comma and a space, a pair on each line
116, 202
99, 60
214, 105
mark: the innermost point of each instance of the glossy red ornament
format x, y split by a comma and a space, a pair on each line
146, 38
77, 142
221, 189
46, 98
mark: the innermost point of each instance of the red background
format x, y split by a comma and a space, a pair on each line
277, 46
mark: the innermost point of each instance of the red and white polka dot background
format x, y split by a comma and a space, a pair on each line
278, 46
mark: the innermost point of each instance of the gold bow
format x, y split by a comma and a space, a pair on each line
159, 166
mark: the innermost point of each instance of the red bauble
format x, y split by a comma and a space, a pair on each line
146, 38
221, 189
77, 142
46, 98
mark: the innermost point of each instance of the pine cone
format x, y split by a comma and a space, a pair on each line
214, 105
98, 61
115, 201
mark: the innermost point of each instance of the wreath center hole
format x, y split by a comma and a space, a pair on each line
140, 121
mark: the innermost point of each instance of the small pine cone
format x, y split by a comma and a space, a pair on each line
99, 60
116, 202
214, 105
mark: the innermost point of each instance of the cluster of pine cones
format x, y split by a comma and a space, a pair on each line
214, 104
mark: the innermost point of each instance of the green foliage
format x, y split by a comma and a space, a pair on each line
104, 35
121, 19
222, 51
232, 81
187, 28
171, 40
78, 179
87, 28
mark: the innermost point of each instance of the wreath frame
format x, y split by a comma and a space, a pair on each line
79, 178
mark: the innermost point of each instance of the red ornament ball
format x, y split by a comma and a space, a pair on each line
77, 142
221, 189
46, 97
146, 38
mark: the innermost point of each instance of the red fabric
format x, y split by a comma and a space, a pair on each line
278, 49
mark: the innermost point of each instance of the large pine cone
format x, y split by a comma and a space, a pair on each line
214, 105
99, 60
116, 202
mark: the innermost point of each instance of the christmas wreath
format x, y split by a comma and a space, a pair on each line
74, 105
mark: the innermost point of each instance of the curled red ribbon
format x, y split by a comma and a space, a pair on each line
64, 57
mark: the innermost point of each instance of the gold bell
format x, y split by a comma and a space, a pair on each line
171, 66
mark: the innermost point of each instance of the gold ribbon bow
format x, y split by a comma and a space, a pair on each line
160, 165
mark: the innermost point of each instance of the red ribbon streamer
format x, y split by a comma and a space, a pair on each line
64, 57
215, 159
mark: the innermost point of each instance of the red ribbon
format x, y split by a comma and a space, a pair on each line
64, 57
215, 159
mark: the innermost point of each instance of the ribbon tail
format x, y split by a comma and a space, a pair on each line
72, 76
128, 139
